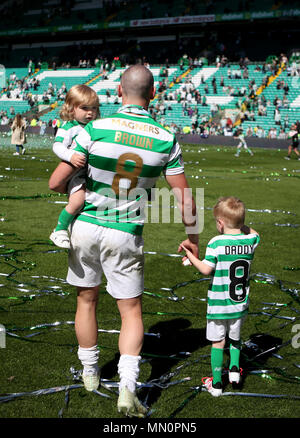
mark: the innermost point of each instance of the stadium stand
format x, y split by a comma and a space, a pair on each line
56, 13
188, 97
196, 90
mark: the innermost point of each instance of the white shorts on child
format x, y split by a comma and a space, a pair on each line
217, 329
77, 181
97, 250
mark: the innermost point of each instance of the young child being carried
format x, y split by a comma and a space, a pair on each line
80, 107
228, 258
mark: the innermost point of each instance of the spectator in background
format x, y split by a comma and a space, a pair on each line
282, 135
55, 125
223, 122
293, 136
261, 110
286, 88
33, 122
43, 126
4, 120
31, 67
285, 102
272, 133
249, 131
286, 122
18, 137
260, 133
45, 98
12, 77
277, 116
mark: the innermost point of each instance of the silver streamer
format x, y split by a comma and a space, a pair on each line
9, 397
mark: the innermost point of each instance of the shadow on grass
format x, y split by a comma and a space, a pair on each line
254, 355
176, 337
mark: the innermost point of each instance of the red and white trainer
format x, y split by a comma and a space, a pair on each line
214, 389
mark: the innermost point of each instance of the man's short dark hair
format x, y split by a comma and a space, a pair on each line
137, 81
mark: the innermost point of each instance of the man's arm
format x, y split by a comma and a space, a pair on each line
60, 177
187, 206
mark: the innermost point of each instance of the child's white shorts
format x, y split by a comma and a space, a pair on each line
217, 329
77, 181
97, 250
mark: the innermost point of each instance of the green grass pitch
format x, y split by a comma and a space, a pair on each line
176, 354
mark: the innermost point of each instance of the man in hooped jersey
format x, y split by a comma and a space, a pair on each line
125, 151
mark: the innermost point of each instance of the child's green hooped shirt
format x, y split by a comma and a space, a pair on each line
64, 143
231, 256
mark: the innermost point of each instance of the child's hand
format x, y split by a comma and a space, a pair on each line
186, 261
78, 160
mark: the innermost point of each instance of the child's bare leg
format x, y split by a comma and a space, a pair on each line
220, 344
76, 201
60, 234
60, 176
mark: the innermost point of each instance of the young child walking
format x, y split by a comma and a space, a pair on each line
80, 107
228, 258
242, 143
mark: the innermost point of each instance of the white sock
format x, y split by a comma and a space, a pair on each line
128, 368
89, 359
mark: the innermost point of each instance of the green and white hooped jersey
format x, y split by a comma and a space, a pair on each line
230, 255
126, 152
242, 139
64, 140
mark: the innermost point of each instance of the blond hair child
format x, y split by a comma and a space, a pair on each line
228, 258
80, 107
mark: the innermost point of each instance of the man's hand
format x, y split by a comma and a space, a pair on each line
189, 260
78, 160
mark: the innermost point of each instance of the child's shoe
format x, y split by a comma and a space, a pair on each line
60, 238
234, 375
214, 389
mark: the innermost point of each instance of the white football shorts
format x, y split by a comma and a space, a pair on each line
97, 250
217, 329
77, 181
